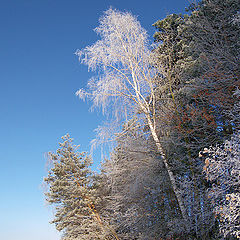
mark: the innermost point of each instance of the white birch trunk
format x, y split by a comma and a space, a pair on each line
170, 173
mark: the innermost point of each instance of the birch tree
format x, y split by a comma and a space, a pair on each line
125, 78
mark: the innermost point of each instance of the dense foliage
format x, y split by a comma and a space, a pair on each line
174, 171
73, 190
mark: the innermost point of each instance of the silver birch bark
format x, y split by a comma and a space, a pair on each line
170, 173
124, 83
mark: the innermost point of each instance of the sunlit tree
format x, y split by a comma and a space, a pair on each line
124, 84
222, 168
73, 191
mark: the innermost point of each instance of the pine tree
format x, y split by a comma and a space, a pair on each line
72, 190
198, 70
198, 56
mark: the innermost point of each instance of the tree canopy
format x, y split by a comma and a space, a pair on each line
174, 171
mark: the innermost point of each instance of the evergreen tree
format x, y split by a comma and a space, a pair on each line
222, 169
198, 56
72, 190
181, 137
184, 96
198, 64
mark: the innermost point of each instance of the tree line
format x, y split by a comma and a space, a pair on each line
173, 112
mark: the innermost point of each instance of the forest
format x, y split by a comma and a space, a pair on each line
172, 109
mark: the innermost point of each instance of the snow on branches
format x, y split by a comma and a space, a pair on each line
222, 168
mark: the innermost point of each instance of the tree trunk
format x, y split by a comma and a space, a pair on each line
170, 173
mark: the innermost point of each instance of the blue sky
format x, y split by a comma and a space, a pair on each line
39, 75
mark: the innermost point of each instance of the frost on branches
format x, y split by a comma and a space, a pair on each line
124, 84
222, 168
73, 191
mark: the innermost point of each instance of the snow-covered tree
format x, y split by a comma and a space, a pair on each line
124, 83
198, 68
198, 56
72, 190
215, 46
141, 196
222, 168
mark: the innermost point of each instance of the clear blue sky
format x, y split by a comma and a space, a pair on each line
39, 75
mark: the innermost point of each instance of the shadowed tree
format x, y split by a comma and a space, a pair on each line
222, 169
